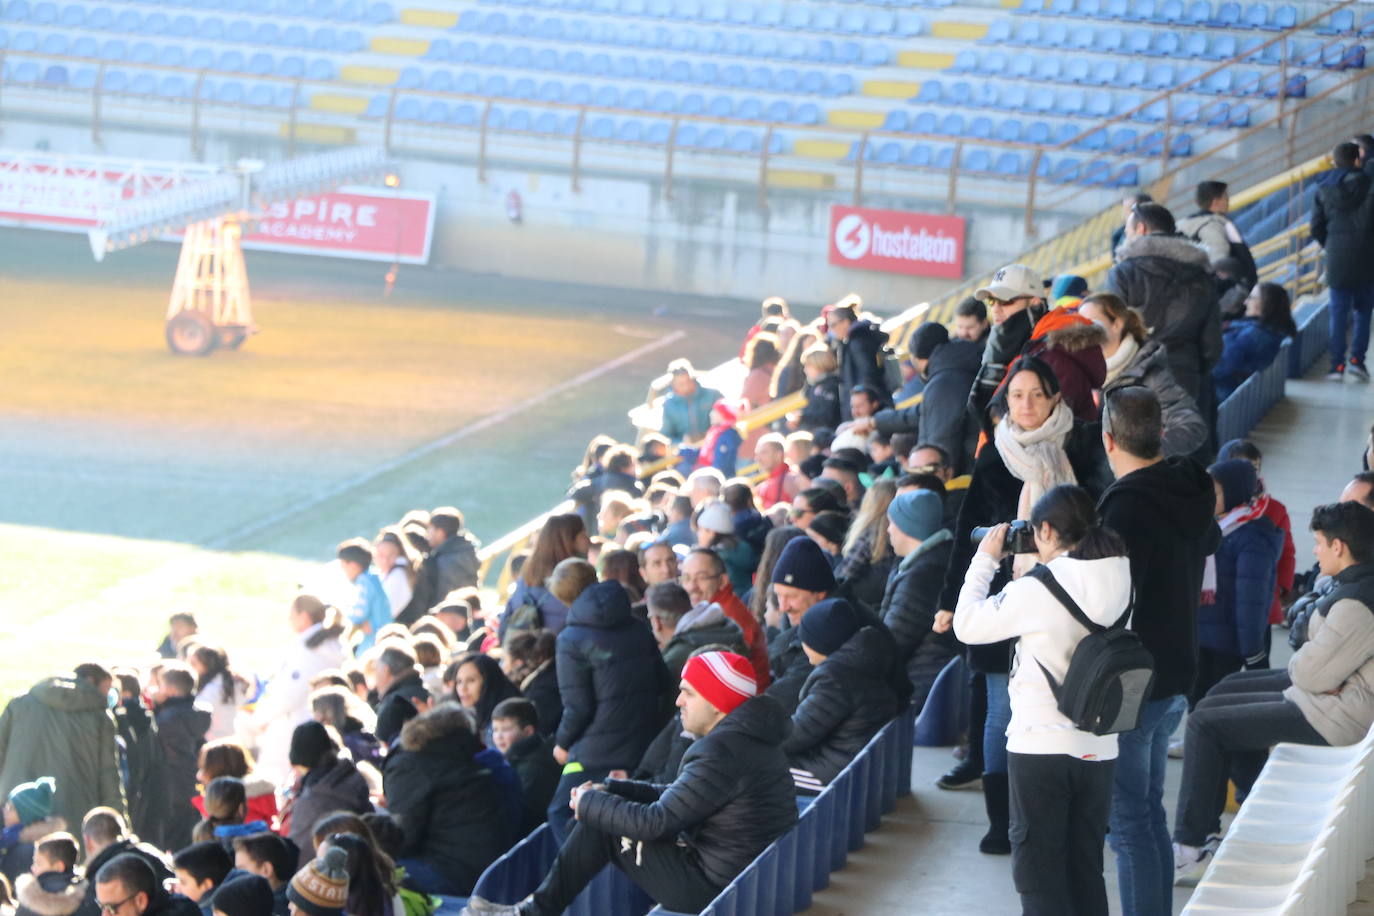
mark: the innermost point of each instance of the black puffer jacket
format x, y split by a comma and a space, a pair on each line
334, 785
397, 706
444, 800
532, 760
1005, 343
942, 416
453, 564
541, 689
732, 797
712, 628
1169, 280
822, 410
181, 728
1343, 224
612, 679
663, 759
844, 702
913, 596
862, 362
992, 498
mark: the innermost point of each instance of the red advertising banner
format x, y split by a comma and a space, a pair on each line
895, 241
350, 223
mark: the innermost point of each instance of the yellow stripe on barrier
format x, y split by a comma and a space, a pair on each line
320, 133
891, 89
821, 149
402, 47
928, 60
848, 117
966, 30
795, 178
339, 104
370, 76
435, 19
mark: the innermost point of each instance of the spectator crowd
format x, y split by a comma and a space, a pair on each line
724, 616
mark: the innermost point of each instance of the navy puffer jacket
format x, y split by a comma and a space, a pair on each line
1247, 565
612, 680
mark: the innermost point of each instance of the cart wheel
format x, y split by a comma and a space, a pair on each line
191, 334
232, 338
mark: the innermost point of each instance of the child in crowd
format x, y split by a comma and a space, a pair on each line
181, 728
52, 888
515, 732
321, 887
822, 410
179, 626
226, 807
228, 757
721, 445
200, 869
244, 895
371, 608
28, 818
271, 857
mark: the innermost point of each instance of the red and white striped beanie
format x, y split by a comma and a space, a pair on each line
725, 679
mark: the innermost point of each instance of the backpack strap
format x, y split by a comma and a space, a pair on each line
1041, 573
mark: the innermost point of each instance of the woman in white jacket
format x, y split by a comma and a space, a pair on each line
1061, 777
285, 702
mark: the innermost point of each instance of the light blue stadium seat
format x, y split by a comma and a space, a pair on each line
230, 92
1109, 40
1228, 15
439, 81
1096, 172
181, 26
999, 32
1027, 33
897, 120
1133, 74
1078, 70
15, 11
114, 81
1081, 38
952, 125
1060, 8
267, 34
520, 57
980, 128
1009, 165
126, 20
1338, 23
965, 62
958, 94
1160, 76
1017, 98
1070, 102
1021, 66
926, 123
85, 46
54, 75
494, 85
1169, 12
977, 160
577, 93
1256, 16
1219, 83
550, 91
142, 52
720, 106
238, 30
72, 16
1126, 101
464, 115
1042, 101
1154, 112
1009, 131
546, 122
1065, 170
749, 108
779, 112
1164, 44
1055, 35
786, 80
199, 59
84, 78
173, 87
326, 38
408, 108
261, 64
931, 92
156, 24
1049, 67
1104, 73
1093, 141
888, 152
1199, 12
919, 155
606, 96
523, 88
687, 135
987, 95
261, 96
713, 138
630, 130
1194, 45
1138, 41
1187, 111
1037, 132
1123, 140
635, 98
993, 63
806, 113
54, 43
519, 119
410, 78
1141, 11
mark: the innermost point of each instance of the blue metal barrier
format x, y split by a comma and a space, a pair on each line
1248, 404
944, 717
516, 874
1313, 340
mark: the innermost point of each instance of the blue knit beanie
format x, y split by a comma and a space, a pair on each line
828, 624
803, 565
33, 800
918, 513
1239, 482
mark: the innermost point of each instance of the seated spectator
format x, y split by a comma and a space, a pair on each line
200, 869
704, 576
127, 886
28, 818
829, 529
1249, 344
623, 566
719, 447
388, 843
750, 525
761, 355
219, 688
327, 782
620, 475
181, 727
456, 619
371, 876
887, 464
687, 407
801, 578
1133, 358
179, 626
658, 562
614, 688
269, 857
844, 467
703, 485
227, 757
1238, 584
432, 659
679, 628
53, 888
244, 895
915, 524
809, 503
780, 483
866, 554
106, 837
320, 888
761, 601
397, 563
226, 812
1322, 699
370, 609
678, 532
845, 699
615, 508
731, 796
399, 687
444, 801
531, 605
864, 403
529, 661
971, 321
1067, 291
514, 732
789, 376
822, 410
716, 531
479, 684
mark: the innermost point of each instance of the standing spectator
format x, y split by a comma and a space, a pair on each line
1067, 291
179, 626
761, 355
1134, 358
181, 728
63, 728
285, 702
480, 684
971, 322
614, 688
772, 310
1128, 205
822, 410
1251, 343
780, 484
397, 563
400, 685
140, 756
531, 604
680, 629
704, 577
1072, 346
326, 783
915, 524
789, 378
1163, 508
515, 733
445, 802
219, 688
1061, 776
621, 474
866, 555
1211, 228
1343, 224
452, 563
370, 609
862, 352
1168, 279
687, 407
1015, 297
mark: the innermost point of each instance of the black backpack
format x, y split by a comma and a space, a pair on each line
1110, 672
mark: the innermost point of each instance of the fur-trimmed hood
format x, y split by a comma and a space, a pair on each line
445, 723
1168, 247
51, 894
34, 832
1077, 336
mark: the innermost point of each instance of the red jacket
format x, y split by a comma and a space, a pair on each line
753, 633
1277, 513
262, 807
773, 490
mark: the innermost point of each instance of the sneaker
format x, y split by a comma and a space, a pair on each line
476, 906
965, 775
1190, 862
1337, 374
1357, 372
1176, 748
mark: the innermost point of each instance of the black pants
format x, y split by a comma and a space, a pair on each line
1059, 808
667, 872
1229, 737
1212, 666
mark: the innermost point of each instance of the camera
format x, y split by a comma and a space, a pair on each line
1020, 537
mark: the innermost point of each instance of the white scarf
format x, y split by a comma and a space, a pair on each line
1240, 515
1036, 457
1125, 352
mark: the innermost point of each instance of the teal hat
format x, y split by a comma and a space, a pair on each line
33, 800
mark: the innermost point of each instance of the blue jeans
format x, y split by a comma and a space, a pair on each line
1139, 825
1343, 302
995, 728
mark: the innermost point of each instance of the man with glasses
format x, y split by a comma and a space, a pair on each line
1016, 301
126, 886
703, 576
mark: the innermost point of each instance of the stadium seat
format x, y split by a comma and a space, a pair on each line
1037, 132
1228, 15
1338, 23
1081, 38
926, 123
1049, 67
1000, 32
1160, 76
1109, 41
1199, 12
1009, 165
1104, 73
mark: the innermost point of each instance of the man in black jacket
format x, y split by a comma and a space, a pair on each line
452, 563
127, 886
860, 343
801, 577
682, 843
923, 543
181, 728
399, 687
1015, 297
1163, 509
1343, 224
105, 835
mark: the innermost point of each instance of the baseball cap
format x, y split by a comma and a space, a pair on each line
1012, 282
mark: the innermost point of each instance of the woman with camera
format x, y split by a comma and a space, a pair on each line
1036, 445
1061, 776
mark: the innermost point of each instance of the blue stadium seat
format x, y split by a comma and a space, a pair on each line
977, 160
1065, 170
952, 125
56, 43
806, 113
54, 75
268, 34
897, 120
114, 81
261, 64
1110, 40
1223, 47
1000, 32
440, 81
1070, 102
1138, 41
926, 122
944, 157
1055, 35
1228, 15
1127, 177
410, 78
1126, 101
470, 83
173, 87
980, 128
888, 152
85, 46
604, 97
919, 155
199, 59
15, 11
1163, 44
1021, 66
1285, 17
464, 115
126, 20
519, 119
1218, 83
1238, 115
1339, 23
1187, 111
1154, 112
1104, 73
1049, 67
1122, 140
1009, 165
992, 63
1169, 12
142, 52
1077, 71
262, 96
1037, 132
1093, 141
84, 78
1041, 101
987, 95
230, 92
550, 91
1116, 9
1160, 76
965, 62
1027, 33
1257, 16
1097, 172
1199, 12
1194, 45
1133, 74
408, 108
156, 24
1017, 98
523, 88
749, 108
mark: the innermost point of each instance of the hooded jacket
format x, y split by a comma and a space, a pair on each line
532, 760
843, 703
444, 800
141, 762
332, 786
53, 893
453, 564
704, 628
1248, 346
1343, 224
396, 707
612, 679
1184, 429
1072, 347
862, 362
687, 417
181, 727
1247, 568
1169, 280
63, 728
913, 595
822, 410
731, 799
540, 687
1164, 513
942, 414
790, 667
1333, 673
552, 612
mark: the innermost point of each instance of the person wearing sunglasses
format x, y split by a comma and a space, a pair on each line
1015, 302
126, 886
